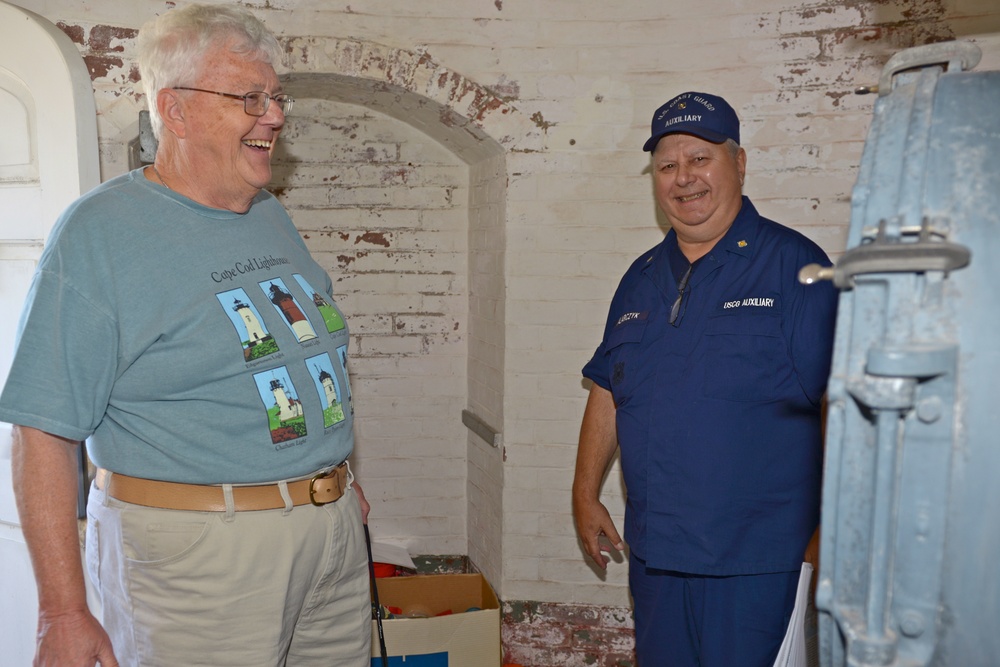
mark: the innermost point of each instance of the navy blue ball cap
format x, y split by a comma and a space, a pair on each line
707, 116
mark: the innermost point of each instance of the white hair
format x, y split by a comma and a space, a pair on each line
172, 47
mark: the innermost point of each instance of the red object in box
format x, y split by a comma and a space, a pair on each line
384, 570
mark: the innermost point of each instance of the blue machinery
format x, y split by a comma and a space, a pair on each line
910, 550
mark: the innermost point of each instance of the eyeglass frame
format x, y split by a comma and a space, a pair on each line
280, 98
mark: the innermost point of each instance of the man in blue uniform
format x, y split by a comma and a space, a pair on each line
709, 378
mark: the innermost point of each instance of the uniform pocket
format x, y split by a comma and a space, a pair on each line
624, 349
628, 332
749, 357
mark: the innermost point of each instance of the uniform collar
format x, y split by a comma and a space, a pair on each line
741, 237
739, 241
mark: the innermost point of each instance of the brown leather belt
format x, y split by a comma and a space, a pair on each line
319, 490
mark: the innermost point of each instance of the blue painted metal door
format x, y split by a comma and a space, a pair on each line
910, 551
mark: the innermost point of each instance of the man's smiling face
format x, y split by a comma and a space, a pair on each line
224, 145
698, 186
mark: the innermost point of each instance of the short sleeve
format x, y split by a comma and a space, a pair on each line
812, 315
65, 361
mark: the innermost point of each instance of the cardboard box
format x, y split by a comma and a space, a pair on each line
460, 639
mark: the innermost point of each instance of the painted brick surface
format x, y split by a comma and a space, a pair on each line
405, 288
470, 175
552, 635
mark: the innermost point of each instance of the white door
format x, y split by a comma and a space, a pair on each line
48, 157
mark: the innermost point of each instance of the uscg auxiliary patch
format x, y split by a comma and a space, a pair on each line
751, 302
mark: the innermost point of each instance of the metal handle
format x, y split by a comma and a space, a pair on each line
957, 55
813, 273
885, 255
891, 258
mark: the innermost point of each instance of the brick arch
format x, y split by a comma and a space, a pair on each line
481, 129
462, 114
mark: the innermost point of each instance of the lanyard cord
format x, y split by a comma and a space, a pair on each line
378, 606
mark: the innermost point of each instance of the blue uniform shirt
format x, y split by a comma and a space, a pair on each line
718, 417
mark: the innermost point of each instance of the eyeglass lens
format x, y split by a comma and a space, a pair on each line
256, 103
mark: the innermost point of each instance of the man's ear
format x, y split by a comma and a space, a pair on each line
171, 107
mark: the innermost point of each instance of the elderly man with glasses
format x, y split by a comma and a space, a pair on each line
179, 325
709, 380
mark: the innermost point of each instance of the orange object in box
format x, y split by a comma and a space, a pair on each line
384, 570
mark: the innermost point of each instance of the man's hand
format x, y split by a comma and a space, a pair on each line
365, 507
592, 523
811, 555
73, 639
598, 444
44, 474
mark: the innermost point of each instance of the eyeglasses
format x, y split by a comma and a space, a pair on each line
254, 103
675, 310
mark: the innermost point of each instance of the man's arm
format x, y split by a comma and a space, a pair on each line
45, 486
598, 442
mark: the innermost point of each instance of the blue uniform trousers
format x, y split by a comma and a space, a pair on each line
685, 620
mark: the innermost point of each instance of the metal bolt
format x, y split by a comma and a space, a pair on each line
912, 624
929, 409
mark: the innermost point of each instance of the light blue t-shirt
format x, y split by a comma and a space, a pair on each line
187, 343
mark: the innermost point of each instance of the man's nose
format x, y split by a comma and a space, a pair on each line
685, 175
274, 116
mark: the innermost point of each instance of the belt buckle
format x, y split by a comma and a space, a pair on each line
312, 487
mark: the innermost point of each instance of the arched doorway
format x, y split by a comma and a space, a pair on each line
397, 176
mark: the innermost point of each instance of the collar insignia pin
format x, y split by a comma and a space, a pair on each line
742, 244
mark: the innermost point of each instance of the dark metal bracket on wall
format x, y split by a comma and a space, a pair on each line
142, 149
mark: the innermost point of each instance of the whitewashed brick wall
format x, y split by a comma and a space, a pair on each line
384, 209
495, 282
487, 362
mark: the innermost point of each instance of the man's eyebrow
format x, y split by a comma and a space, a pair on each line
262, 87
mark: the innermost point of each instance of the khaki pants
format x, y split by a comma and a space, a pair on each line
266, 588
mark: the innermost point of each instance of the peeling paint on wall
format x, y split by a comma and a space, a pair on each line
102, 50
506, 89
100, 66
547, 634
74, 32
541, 122
374, 238
102, 36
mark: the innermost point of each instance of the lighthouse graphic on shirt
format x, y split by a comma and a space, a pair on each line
289, 308
286, 417
332, 318
285, 410
257, 341
328, 388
